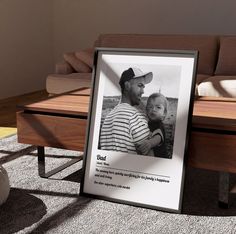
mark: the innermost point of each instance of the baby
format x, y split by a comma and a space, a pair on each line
156, 110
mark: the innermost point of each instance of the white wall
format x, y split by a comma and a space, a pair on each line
77, 23
26, 53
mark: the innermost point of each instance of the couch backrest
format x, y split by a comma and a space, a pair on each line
226, 64
207, 45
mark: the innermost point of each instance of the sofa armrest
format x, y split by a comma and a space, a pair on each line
63, 68
76, 61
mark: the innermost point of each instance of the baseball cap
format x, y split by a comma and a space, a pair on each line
133, 73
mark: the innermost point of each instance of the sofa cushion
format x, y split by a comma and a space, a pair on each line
199, 79
206, 45
64, 68
227, 56
86, 56
59, 83
76, 63
218, 86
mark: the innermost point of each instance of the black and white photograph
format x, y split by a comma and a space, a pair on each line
140, 118
138, 126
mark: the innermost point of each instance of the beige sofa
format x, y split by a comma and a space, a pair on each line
216, 72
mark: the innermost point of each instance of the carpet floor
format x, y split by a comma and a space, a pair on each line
37, 205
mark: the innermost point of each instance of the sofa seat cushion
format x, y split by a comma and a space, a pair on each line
218, 86
199, 79
207, 45
60, 83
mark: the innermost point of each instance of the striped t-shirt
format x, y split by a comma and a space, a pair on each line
123, 128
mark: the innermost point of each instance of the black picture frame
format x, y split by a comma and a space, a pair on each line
131, 177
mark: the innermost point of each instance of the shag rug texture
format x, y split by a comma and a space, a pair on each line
38, 205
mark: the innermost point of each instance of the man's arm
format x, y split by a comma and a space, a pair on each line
146, 145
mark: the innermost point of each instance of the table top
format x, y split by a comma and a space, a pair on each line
71, 103
208, 112
215, 113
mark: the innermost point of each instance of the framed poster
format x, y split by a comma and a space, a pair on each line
138, 126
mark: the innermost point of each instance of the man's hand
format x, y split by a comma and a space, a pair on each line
143, 147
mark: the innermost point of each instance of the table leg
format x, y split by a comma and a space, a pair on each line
41, 161
223, 190
41, 164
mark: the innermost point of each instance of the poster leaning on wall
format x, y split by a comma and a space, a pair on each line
138, 126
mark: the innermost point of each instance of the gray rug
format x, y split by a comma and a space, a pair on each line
37, 205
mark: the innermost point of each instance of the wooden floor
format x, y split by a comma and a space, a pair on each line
8, 106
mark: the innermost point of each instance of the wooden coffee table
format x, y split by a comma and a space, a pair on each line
213, 140
61, 122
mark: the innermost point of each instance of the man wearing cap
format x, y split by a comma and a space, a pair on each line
126, 125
